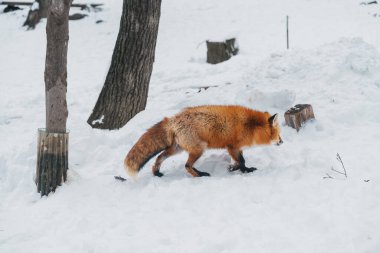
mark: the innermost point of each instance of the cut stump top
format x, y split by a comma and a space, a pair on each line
221, 51
296, 116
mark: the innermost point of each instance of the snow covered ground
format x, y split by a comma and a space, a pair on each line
286, 206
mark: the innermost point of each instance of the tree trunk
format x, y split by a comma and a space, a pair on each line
57, 31
43, 8
52, 162
125, 90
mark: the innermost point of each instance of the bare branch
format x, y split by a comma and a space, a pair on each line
328, 176
340, 160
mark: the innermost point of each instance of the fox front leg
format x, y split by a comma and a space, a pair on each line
237, 155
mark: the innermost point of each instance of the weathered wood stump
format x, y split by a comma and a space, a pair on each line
52, 160
32, 19
296, 116
10, 8
77, 16
38, 10
221, 51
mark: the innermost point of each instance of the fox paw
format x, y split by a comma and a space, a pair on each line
233, 168
201, 173
247, 170
158, 174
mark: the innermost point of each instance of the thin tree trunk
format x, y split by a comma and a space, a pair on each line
125, 90
57, 31
52, 150
43, 8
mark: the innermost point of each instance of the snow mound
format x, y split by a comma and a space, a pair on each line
282, 99
330, 62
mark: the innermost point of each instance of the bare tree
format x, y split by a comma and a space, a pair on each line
125, 90
52, 163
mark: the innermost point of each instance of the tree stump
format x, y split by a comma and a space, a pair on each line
296, 116
221, 51
77, 16
32, 19
52, 160
10, 8
37, 11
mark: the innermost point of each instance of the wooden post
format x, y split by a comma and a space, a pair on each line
287, 32
221, 51
296, 116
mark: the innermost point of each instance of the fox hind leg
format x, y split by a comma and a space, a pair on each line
170, 151
193, 157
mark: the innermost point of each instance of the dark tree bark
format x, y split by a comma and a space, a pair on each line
43, 8
35, 15
125, 90
221, 51
52, 162
57, 32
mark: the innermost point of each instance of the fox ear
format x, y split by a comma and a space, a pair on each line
273, 120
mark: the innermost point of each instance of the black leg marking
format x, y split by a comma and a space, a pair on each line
241, 168
247, 170
201, 173
170, 151
158, 173
234, 167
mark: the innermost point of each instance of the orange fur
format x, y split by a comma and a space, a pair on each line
198, 128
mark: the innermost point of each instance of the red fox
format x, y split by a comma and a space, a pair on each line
198, 128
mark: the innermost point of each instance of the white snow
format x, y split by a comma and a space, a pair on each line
287, 205
99, 121
35, 6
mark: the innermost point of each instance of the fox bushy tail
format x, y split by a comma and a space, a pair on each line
156, 139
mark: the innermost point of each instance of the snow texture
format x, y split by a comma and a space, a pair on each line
294, 202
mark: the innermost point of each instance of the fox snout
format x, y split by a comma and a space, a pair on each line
279, 141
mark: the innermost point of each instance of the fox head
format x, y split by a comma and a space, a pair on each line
275, 130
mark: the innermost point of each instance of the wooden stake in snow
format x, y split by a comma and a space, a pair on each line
221, 51
296, 116
287, 32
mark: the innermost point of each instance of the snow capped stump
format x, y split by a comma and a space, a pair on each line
296, 116
221, 51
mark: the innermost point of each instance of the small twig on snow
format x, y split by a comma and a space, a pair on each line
328, 176
337, 171
340, 160
120, 178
